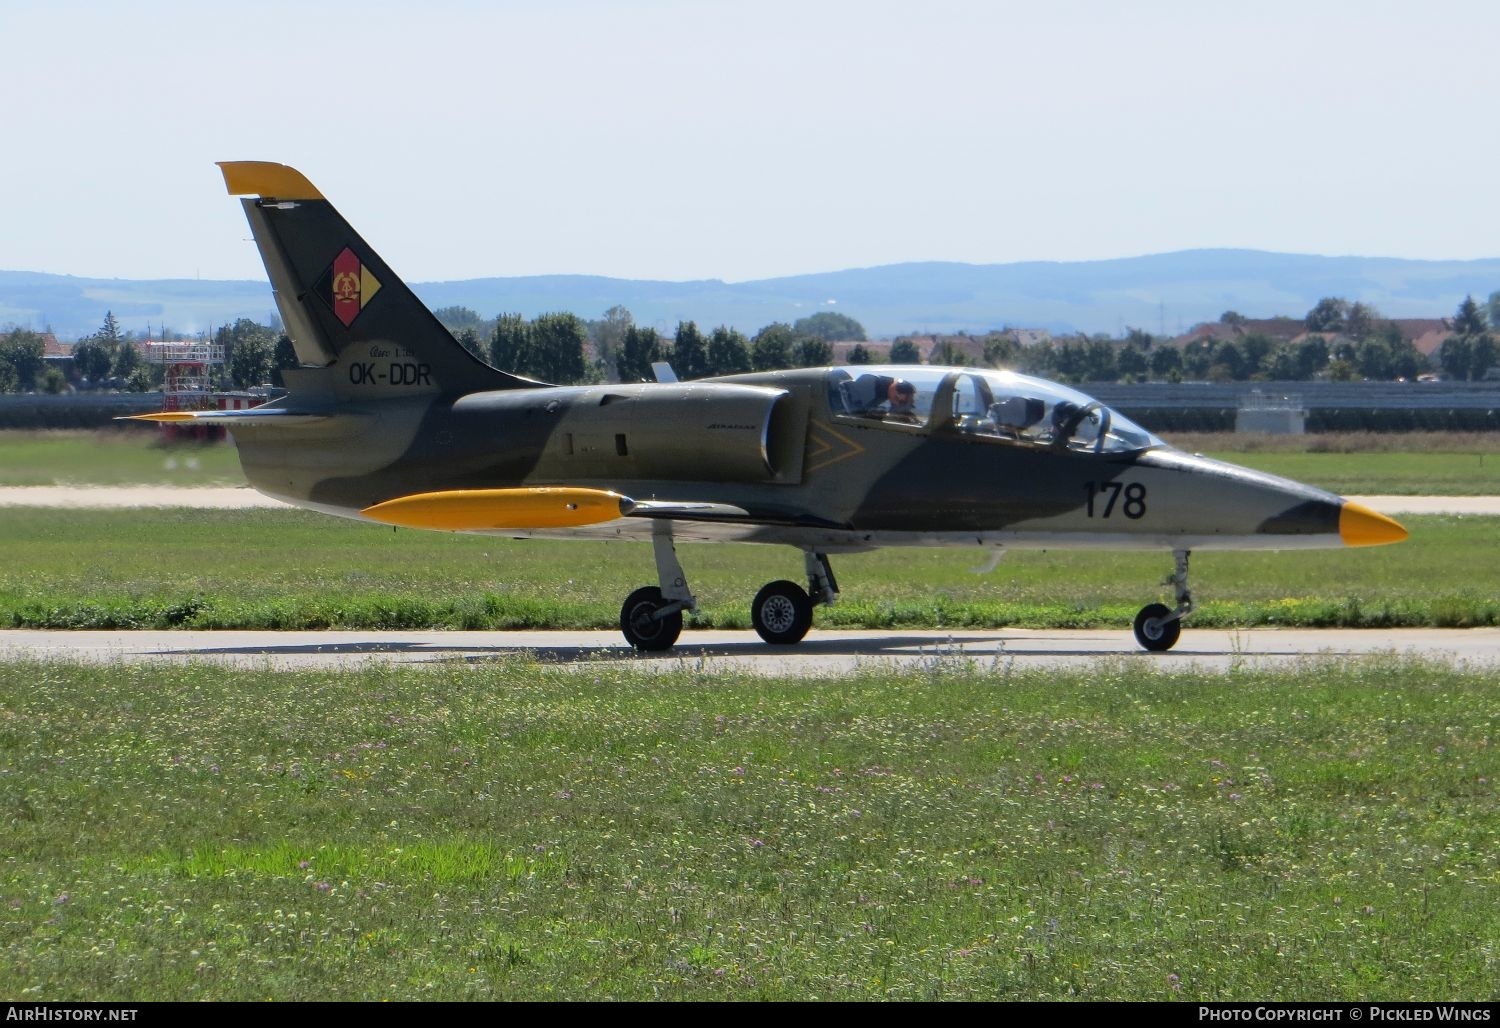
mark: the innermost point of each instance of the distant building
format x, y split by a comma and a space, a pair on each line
1426, 334
57, 355
1282, 330
878, 351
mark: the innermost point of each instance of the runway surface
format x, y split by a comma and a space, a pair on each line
114, 497
821, 653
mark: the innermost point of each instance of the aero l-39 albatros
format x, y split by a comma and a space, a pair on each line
389, 419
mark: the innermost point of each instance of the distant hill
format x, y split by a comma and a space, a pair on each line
1170, 292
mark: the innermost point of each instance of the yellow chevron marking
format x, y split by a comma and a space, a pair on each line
823, 452
369, 285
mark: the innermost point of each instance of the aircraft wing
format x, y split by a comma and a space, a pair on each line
231, 418
536, 507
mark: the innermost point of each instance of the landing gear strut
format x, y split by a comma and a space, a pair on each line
1157, 628
782, 611
651, 618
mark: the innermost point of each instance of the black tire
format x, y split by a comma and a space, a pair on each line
1152, 632
781, 613
640, 630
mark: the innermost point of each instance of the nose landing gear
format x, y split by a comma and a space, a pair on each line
1157, 628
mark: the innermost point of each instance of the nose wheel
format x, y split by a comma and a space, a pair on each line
1155, 628
1158, 627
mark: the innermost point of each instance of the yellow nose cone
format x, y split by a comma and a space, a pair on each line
1361, 526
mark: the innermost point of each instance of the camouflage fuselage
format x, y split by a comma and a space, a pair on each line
772, 445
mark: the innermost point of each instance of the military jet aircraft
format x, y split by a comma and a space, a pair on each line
389, 419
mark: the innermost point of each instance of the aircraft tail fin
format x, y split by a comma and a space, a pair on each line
343, 307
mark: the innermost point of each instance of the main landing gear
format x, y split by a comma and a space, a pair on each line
652, 616
782, 612
1158, 628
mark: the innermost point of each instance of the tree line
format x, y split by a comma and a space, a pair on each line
1344, 341
557, 347
563, 348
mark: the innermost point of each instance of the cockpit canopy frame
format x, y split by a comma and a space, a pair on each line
999, 405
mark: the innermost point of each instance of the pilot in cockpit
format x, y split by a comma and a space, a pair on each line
901, 401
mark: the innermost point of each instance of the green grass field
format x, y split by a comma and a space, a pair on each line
1365, 474
1365, 463
293, 569
132, 456
517, 831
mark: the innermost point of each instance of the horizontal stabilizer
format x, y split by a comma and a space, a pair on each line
480, 510
230, 418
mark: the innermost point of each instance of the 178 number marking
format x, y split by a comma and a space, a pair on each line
1104, 496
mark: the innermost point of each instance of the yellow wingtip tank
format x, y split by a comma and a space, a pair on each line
166, 416
479, 510
1361, 526
266, 178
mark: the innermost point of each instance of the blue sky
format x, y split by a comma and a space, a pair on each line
679, 140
